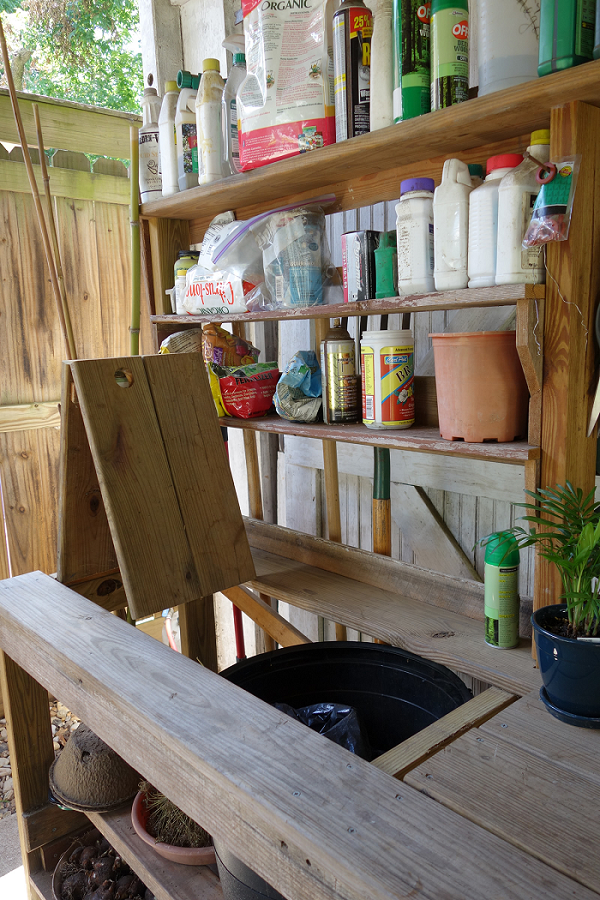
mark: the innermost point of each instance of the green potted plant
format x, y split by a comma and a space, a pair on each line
564, 525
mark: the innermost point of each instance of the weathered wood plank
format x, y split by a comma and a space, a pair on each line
66, 183
367, 839
114, 278
49, 822
106, 590
27, 416
418, 748
488, 781
166, 239
261, 612
197, 631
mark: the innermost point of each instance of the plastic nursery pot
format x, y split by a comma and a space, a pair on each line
570, 671
481, 390
186, 856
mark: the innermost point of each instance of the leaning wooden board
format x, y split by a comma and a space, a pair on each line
319, 824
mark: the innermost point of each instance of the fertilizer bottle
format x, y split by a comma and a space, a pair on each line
516, 196
451, 226
231, 145
501, 597
414, 236
507, 44
352, 31
185, 129
208, 122
150, 181
483, 221
412, 91
382, 66
167, 140
566, 34
449, 53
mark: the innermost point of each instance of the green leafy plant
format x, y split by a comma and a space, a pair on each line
565, 527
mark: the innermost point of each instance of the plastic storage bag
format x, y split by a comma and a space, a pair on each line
336, 721
244, 392
298, 393
551, 216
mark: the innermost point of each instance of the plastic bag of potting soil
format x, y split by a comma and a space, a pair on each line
336, 721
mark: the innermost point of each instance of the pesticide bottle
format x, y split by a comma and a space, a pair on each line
208, 122
352, 31
451, 226
338, 375
382, 66
150, 181
412, 92
516, 196
414, 236
507, 44
185, 129
229, 113
167, 140
449, 52
386, 266
483, 221
566, 34
501, 591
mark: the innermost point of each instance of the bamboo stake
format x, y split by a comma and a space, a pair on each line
134, 183
53, 234
70, 351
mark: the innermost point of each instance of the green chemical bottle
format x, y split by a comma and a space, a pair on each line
501, 579
449, 53
412, 76
386, 266
566, 34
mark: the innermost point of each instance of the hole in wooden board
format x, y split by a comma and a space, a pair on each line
124, 378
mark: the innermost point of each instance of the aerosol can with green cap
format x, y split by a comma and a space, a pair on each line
449, 52
412, 94
501, 583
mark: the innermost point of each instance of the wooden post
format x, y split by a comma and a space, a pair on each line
567, 453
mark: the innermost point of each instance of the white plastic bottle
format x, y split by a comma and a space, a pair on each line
185, 129
483, 221
150, 181
208, 122
451, 226
414, 235
231, 145
507, 43
167, 140
516, 196
382, 66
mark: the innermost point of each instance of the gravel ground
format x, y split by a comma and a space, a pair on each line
63, 723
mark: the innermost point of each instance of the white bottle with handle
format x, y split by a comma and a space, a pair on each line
185, 128
150, 180
167, 140
451, 226
208, 122
231, 145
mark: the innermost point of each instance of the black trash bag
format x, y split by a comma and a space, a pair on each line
336, 721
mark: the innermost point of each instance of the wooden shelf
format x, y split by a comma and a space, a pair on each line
166, 880
425, 440
366, 169
41, 882
502, 295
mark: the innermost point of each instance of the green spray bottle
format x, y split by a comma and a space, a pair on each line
449, 52
566, 34
501, 590
412, 77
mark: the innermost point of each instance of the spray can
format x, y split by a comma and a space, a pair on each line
501, 598
449, 53
338, 373
412, 93
352, 31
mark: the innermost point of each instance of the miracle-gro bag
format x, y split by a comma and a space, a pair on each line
285, 104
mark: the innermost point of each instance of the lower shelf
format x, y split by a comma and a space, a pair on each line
41, 883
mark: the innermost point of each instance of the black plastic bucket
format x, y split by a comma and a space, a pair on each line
395, 692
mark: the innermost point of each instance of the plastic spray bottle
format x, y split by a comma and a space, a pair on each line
352, 31
412, 92
230, 120
168, 140
150, 180
451, 226
208, 122
449, 52
185, 129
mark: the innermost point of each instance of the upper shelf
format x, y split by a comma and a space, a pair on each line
501, 295
366, 169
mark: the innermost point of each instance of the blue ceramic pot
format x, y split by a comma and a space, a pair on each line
570, 668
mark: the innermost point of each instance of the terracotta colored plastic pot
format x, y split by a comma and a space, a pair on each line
481, 390
187, 856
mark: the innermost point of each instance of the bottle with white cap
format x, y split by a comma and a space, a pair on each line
167, 140
516, 197
185, 128
483, 221
414, 234
231, 146
208, 122
451, 226
150, 181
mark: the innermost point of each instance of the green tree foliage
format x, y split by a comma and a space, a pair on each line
82, 50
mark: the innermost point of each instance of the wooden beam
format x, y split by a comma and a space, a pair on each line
167, 237
262, 613
26, 416
49, 822
416, 749
197, 631
530, 347
76, 185
105, 590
